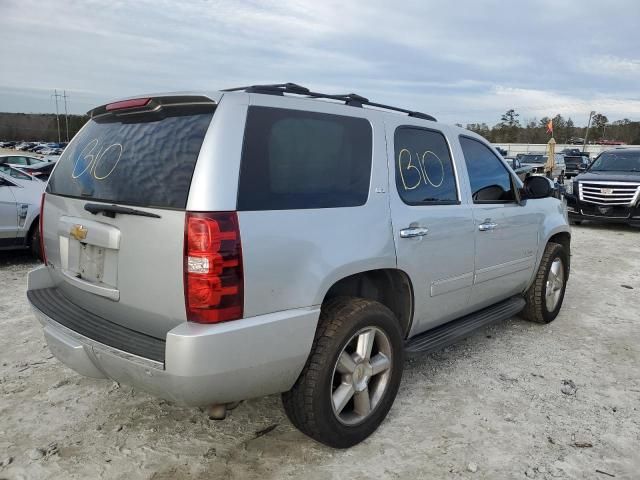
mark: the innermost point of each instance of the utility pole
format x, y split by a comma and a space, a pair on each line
586, 135
66, 113
56, 95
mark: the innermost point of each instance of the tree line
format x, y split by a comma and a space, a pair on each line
38, 126
511, 129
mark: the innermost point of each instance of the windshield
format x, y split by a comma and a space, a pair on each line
617, 162
533, 159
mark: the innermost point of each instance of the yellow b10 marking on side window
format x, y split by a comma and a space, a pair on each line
423, 177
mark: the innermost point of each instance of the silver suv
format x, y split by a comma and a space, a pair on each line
213, 248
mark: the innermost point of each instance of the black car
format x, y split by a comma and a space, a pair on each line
608, 190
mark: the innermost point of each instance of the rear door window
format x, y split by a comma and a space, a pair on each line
424, 170
294, 159
146, 160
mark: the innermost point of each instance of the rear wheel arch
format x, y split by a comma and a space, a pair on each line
390, 287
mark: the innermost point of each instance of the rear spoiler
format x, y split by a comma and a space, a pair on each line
152, 104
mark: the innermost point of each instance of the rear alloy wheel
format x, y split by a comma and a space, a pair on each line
352, 375
544, 297
360, 377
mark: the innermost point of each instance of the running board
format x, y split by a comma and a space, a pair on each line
439, 337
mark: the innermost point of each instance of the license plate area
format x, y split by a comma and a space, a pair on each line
90, 265
89, 255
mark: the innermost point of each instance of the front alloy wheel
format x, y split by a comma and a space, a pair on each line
555, 284
544, 297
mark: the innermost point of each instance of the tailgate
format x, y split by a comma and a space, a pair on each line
114, 213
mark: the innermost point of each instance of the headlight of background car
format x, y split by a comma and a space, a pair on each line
569, 187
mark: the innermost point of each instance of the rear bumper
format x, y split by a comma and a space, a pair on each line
203, 364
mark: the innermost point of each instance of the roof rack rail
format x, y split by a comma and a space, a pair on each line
350, 99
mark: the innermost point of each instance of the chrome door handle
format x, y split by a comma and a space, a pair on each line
413, 232
487, 226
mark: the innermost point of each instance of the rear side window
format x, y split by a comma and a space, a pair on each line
295, 159
145, 160
424, 170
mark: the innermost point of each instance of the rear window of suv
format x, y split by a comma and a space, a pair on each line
143, 159
294, 159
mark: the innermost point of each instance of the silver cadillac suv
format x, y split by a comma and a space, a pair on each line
209, 248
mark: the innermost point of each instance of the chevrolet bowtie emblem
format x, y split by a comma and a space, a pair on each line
78, 232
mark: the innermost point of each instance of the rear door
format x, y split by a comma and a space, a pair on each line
432, 223
114, 211
506, 232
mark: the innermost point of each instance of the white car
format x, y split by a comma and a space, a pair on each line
20, 197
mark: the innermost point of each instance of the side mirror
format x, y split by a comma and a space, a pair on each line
582, 168
537, 187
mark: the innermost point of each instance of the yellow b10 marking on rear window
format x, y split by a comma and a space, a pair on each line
91, 160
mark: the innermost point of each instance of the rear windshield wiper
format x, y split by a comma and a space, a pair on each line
111, 210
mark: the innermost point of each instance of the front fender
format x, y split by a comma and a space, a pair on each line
555, 221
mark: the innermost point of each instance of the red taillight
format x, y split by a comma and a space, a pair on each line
136, 102
40, 221
213, 279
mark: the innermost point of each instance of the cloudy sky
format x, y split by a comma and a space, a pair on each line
462, 61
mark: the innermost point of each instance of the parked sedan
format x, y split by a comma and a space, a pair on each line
19, 212
25, 145
19, 160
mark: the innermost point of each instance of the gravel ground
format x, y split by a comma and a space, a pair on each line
515, 400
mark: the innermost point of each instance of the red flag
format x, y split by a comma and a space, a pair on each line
550, 127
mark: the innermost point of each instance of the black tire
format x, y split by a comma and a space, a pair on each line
536, 309
34, 242
308, 404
